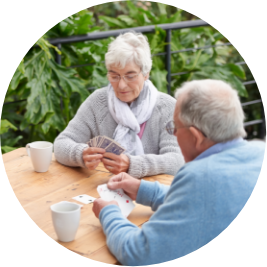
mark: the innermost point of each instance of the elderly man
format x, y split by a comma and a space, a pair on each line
206, 194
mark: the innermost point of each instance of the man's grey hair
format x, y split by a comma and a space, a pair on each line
213, 107
127, 48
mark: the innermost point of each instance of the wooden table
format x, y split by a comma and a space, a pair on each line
38, 191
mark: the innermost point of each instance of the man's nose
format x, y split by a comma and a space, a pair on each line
122, 83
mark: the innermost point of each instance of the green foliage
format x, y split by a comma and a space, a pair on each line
52, 93
9, 144
6, 125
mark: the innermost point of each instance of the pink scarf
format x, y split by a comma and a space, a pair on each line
142, 128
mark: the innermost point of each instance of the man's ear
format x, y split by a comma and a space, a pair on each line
147, 76
199, 137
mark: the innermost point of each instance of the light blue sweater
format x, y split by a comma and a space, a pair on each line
203, 199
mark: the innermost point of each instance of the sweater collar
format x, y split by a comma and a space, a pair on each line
217, 148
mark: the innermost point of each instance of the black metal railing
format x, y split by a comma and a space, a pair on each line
150, 29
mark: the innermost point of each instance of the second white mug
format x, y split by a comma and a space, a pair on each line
66, 219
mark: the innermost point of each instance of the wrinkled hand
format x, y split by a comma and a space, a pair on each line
115, 163
92, 156
129, 184
99, 204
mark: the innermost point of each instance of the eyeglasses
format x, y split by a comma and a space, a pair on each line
114, 78
172, 129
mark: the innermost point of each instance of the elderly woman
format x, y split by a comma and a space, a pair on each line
129, 110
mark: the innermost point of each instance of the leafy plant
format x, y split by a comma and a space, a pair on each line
43, 96
9, 145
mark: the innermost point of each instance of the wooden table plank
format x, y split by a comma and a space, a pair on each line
38, 191
15, 154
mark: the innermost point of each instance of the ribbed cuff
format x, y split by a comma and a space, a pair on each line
79, 154
108, 213
135, 168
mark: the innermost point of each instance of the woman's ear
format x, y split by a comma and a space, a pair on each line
147, 76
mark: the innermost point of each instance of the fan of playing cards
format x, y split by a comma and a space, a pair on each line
124, 201
106, 143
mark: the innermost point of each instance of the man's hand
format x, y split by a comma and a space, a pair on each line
92, 156
115, 163
99, 204
129, 184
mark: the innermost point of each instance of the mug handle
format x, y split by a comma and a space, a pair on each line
28, 150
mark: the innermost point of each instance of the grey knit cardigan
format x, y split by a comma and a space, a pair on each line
162, 153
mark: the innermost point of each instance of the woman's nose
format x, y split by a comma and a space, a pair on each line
122, 84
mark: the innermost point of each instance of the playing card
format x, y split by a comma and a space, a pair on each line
100, 139
105, 142
114, 148
94, 143
104, 192
85, 199
97, 140
125, 202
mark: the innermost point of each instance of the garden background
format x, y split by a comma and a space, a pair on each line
43, 96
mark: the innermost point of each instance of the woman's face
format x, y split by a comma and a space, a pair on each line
127, 91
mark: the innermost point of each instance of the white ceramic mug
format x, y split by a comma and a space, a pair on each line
40, 153
66, 219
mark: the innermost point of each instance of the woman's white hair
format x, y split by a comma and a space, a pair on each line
213, 107
129, 47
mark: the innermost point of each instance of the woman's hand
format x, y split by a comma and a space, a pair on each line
129, 184
115, 163
92, 156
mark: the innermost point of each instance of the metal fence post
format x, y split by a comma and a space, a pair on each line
58, 56
263, 125
168, 59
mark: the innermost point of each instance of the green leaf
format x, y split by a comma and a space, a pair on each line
68, 82
24, 124
98, 78
56, 120
221, 73
9, 112
6, 125
238, 85
237, 70
112, 22
158, 40
46, 125
132, 9
162, 9
38, 88
13, 142
21, 67
158, 77
82, 24
45, 45
194, 61
129, 21
151, 16
141, 19
175, 17
18, 76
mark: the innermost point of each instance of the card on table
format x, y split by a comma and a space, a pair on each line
125, 202
85, 199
